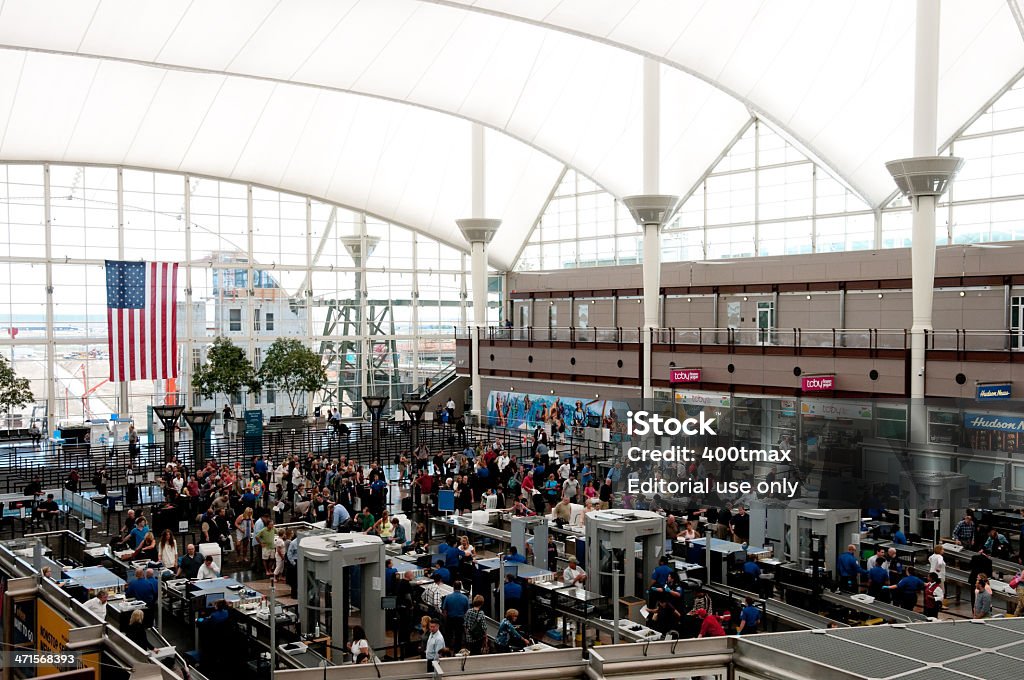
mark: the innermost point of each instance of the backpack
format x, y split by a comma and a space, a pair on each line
478, 629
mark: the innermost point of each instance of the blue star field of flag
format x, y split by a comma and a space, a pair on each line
126, 285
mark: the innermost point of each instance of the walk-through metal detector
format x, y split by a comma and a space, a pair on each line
521, 531
337, 572
932, 502
617, 540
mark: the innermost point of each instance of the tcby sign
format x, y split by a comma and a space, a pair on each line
817, 383
684, 375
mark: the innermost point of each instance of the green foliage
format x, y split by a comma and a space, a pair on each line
15, 392
226, 371
294, 368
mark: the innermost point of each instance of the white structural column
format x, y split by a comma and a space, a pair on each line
479, 231
187, 363
306, 293
123, 406
51, 345
923, 179
651, 211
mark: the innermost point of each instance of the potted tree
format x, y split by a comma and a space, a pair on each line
294, 369
15, 392
227, 370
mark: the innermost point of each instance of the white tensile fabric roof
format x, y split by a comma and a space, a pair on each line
369, 103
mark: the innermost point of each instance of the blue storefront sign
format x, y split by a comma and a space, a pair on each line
983, 421
993, 391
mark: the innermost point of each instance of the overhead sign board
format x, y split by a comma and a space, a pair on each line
983, 421
817, 383
993, 391
704, 399
684, 375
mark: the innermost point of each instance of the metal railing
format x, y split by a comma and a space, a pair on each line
863, 338
20, 464
830, 338
617, 335
962, 340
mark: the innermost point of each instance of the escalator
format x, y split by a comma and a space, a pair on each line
441, 386
437, 382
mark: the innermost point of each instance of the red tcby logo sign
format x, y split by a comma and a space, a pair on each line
684, 375
817, 383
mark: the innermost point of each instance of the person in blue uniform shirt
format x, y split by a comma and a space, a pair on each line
908, 588
440, 570
660, 575
452, 554
514, 556
878, 578
750, 617
675, 593
849, 569
752, 572
453, 610
142, 589
898, 537
219, 614
390, 577
513, 592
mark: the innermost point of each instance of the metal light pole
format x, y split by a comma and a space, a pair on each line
200, 423
376, 403
415, 408
168, 415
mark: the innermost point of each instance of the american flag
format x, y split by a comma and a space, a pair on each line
142, 320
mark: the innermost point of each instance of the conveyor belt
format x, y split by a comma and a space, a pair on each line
1000, 590
877, 609
777, 609
964, 556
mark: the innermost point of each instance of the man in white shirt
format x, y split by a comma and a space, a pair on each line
435, 643
878, 559
98, 604
573, 575
209, 569
564, 470
502, 461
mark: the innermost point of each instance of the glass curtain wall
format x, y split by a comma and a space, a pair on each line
766, 198
377, 301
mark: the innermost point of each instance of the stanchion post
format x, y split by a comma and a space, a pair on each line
273, 629
615, 607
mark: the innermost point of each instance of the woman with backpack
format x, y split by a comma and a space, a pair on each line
475, 627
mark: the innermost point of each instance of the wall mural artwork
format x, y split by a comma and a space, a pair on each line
516, 410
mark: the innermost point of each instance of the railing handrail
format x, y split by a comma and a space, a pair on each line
696, 328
